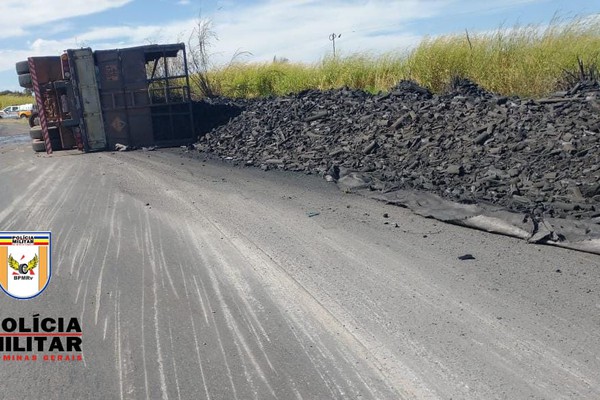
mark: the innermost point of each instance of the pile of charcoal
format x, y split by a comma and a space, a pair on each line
468, 145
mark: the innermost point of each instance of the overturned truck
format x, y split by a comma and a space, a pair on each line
94, 100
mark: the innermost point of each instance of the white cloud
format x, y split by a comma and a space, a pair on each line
17, 15
100, 38
296, 29
300, 29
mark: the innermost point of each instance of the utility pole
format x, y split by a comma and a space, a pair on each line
332, 38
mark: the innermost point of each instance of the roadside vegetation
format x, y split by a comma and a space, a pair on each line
528, 61
9, 98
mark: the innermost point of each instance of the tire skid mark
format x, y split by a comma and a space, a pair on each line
257, 257
85, 291
246, 296
159, 354
25, 198
238, 338
221, 347
112, 239
105, 328
214, 325
318, 364
223, 308
220, 341
67, 190
117, 224
87, 269
196, 344
118, 358
163, 266
78, 291
40, 204
233, 278
142, 319
204, 310
313, 336
80, 252
173, 363
261, 261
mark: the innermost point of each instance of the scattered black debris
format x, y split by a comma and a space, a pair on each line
466, 257
540, 157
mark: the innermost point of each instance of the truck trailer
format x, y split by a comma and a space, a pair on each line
96, 100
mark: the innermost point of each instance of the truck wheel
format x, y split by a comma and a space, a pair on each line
34, 120
22, 116
22, 67
36, 133
38, 145
25, 81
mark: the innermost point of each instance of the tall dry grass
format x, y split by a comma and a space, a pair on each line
14, 100
528, 61
523, 60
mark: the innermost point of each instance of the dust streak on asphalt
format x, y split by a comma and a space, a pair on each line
198, 280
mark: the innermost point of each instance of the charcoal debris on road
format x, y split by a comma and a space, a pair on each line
538, 159
467, 145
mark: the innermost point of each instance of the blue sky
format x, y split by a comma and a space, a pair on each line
294, 29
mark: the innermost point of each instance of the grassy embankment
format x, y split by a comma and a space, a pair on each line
14, 100
527, 61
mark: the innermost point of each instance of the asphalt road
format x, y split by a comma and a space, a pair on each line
199, 280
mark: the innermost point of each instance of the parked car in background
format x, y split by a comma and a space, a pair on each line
20, 111
10, 112
25, 110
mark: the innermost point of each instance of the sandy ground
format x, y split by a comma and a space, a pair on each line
195, 279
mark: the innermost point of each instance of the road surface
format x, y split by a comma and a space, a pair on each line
197, 279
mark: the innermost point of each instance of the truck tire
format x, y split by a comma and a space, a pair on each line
34, 120
36, 133
22, 67
38, 145
25, 81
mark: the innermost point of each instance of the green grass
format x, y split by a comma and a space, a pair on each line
264, 79
14, 100
528, 61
